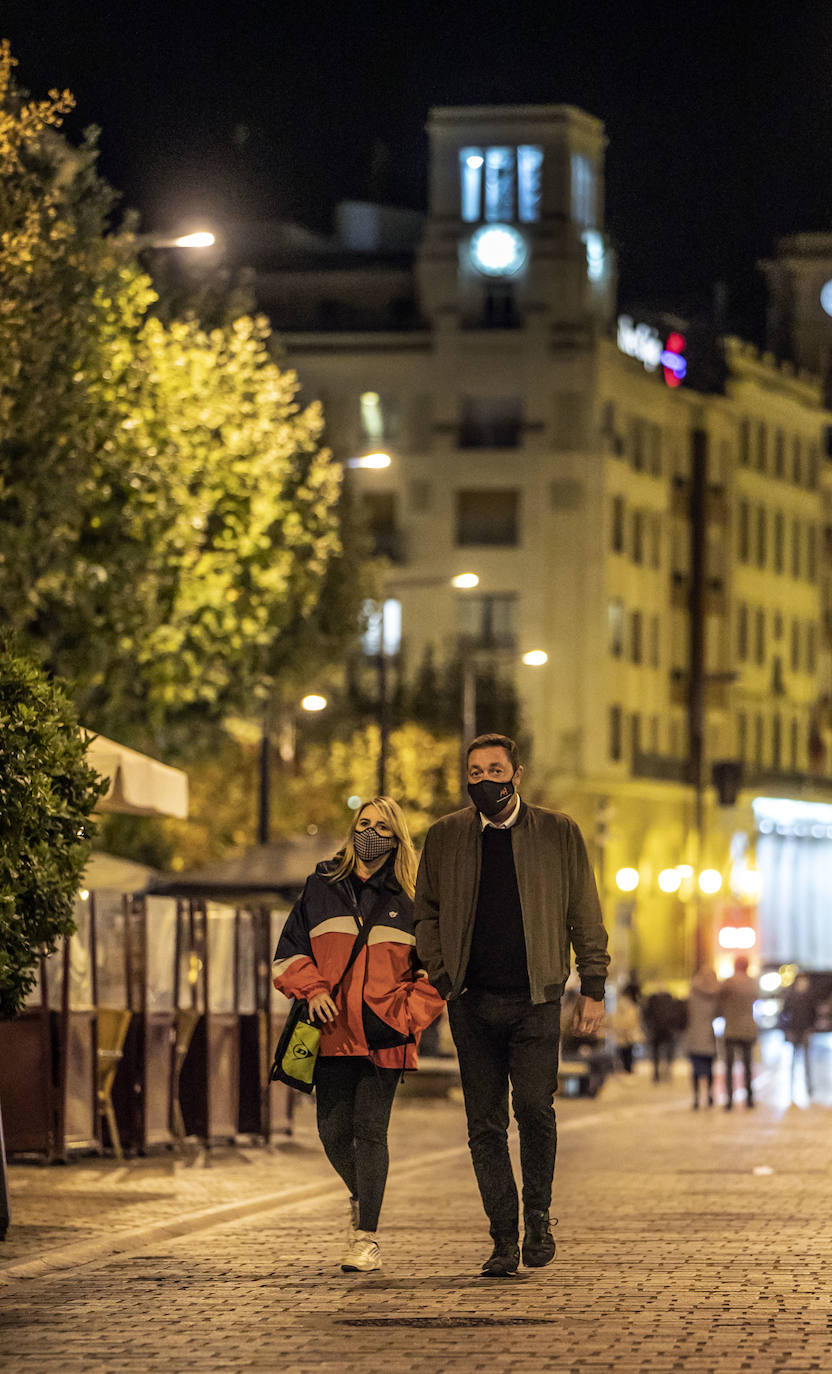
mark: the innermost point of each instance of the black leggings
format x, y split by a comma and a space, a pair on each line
354, 1101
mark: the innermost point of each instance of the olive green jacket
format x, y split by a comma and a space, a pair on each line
558, 898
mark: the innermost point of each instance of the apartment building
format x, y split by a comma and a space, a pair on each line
643, 506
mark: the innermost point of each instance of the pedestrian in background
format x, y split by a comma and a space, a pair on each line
737, 996
700, 1040
625, 1024
661, 1025
503, 889
797, 1021
369, 1033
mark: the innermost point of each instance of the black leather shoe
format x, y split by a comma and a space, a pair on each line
538, 1241
503, 1260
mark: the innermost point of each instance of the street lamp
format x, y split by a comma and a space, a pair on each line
201, 238
313, 701
464, 581
370, 460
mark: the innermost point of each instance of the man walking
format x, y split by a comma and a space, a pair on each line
503, 889
737, 996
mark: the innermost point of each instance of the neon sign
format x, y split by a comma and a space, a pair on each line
643, 342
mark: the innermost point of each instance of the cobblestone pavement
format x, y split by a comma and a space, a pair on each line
687, 1241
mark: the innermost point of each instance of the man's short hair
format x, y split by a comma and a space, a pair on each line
496, 742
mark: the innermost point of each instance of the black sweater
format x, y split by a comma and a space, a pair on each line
498, 946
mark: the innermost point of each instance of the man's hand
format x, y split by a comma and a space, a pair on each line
587, 1016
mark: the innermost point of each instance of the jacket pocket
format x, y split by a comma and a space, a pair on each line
379, 1034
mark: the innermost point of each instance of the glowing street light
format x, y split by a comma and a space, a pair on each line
626, 879
463, 581
370, 460
201, 239
313, 702
710, 881
670, 880
535, 658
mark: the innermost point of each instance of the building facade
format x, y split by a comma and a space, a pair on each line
652, 523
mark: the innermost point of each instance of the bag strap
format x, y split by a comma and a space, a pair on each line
361, 939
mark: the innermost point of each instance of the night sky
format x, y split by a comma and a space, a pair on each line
719, 115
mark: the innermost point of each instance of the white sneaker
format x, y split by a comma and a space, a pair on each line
352, 1225
362, 1255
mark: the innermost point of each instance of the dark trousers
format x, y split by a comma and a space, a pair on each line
354, 1100
743, 1048
702, 1069
662, 1049
501, 1038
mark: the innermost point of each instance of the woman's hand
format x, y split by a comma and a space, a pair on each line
322, 1007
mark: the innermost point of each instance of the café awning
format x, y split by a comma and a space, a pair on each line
139, 785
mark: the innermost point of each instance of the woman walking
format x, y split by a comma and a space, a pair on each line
700, 1041
370, 1030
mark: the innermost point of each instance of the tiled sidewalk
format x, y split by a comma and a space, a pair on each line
687, 1241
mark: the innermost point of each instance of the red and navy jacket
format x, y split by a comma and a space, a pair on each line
380, 1000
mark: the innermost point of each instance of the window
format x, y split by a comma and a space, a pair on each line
744, 549
615, 734
380, 514
795, 646
583, 191
487, 517
379, 417
760, 637
796, 548
797, 465
762, 533
812, 464
779, 453
654, 642
778, 626
811, 652
742, 734
386, 618
655, 450
776, 742
656, 541
758, 741
616, 618
793, 747
762, 447
499, 184
745, 443
638, 536
617, 538
779, 541
811, 553
491, 422
742, 633
636, 637
637, 444
487, 622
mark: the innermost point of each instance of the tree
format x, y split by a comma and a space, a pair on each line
48, 793
168, 517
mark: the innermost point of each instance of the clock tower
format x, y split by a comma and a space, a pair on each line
515, 225
799, 314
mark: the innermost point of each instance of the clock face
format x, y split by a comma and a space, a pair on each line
498, 250
826, 297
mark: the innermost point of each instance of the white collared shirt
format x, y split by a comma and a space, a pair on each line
508, 822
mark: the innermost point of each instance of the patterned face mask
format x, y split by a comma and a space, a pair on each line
370, 845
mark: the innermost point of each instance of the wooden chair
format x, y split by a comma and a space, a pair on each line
113, 1023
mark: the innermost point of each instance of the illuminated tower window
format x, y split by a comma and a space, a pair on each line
471, 162
500, 184
529, 183
583, 191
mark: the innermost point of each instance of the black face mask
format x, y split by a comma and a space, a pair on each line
490, 797
370, 845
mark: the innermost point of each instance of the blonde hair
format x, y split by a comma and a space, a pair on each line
406, 863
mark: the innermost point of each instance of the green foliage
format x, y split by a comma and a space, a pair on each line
47, 794
168, 517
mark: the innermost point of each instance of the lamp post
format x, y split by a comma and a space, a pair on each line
311, 702
464, 581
